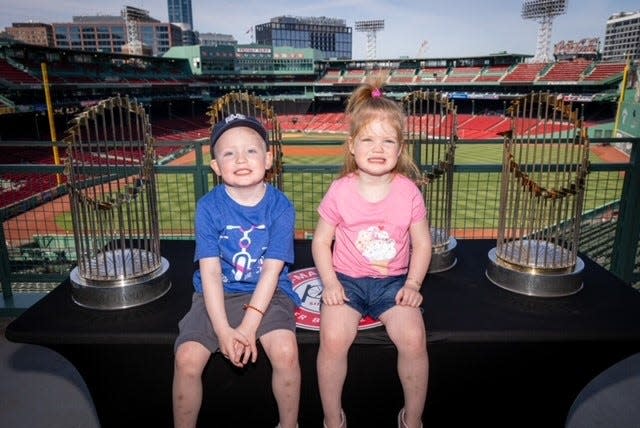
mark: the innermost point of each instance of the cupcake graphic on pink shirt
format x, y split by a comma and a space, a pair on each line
378, 247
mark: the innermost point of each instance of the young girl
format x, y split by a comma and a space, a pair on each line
377, 216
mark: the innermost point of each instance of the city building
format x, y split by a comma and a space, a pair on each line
331, 36
622, 37
217, 39
181, 14
108, 33
33, 33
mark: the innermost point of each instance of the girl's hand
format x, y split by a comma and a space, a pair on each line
409, 296
333, 294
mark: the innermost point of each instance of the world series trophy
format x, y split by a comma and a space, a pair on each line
544, 169
431, 136
114, 207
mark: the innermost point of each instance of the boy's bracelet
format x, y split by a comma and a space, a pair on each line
248, 306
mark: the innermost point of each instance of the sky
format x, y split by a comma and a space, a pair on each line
450, 28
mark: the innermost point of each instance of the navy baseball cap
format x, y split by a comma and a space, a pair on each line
233, 121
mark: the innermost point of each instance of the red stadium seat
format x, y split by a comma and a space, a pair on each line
524, 73
14, 75
565, 71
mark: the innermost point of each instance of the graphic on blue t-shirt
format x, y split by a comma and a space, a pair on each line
242, 260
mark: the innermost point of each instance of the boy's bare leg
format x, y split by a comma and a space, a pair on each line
338, 328
190, 360
281, 348
405, 327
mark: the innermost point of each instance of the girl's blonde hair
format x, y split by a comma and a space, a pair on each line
367, 103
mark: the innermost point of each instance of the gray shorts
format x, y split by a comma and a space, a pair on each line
196, 325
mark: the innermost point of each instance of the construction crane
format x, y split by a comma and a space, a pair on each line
423, 48
132, 15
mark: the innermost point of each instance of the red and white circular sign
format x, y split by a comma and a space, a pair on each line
307, 284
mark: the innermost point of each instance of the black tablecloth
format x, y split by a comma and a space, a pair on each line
459, 305
493, 353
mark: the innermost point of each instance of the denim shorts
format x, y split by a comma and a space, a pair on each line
371, 296
196, 325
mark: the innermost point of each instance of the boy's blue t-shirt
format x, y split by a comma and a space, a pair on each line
243, 237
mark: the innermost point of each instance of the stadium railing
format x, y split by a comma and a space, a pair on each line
37, 249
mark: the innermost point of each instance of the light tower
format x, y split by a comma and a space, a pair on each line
371, 28
543, 11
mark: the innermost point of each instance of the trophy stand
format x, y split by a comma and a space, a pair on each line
431, 135
544, 169
114, 210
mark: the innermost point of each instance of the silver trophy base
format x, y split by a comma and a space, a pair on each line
120, 294
443, 259
535, 283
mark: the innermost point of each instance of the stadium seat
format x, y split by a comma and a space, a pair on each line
431, 74
565, 71
492, 74
524, 73
355, 76
462, 74
604, 71
40, 388
402, 76
14, 75
610, 399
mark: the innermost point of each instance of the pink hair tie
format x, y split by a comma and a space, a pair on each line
376, 93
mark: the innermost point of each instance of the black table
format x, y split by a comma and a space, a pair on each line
497, 358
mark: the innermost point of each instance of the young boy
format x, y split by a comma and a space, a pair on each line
244, 241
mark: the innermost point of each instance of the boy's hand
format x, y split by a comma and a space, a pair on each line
230, 341
249, 351
409, 296
333, 294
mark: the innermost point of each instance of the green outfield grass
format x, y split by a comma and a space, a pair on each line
312, 137
312, 160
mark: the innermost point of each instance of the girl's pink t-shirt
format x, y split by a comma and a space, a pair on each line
372, 238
